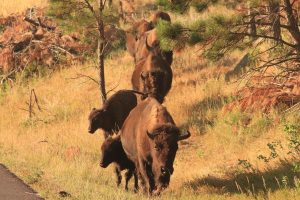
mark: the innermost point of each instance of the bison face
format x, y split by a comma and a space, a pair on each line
164, 147
164, 151
153, 83
97, 119
108, 149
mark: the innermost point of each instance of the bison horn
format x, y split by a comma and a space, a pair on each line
152, 135
184, 136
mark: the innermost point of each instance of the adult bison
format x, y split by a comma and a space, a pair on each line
134, 34
113, 113
150, 138
135, 37
153, 75
113, 152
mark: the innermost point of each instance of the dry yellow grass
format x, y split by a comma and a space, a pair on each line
53, 151
14, 6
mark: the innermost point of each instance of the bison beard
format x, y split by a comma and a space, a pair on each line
149, 137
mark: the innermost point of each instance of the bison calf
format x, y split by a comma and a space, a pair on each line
113, 152
112, 115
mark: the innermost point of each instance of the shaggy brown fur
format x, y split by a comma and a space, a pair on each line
149, 137
154, 74
113, 113
113, 152
134, 34
135, 40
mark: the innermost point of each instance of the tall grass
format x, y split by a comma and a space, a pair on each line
14, 6
53, 152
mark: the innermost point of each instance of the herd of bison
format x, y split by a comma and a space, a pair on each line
146, 138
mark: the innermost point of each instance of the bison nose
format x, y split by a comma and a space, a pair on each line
164, 171
171, 170
102, 165
90, 130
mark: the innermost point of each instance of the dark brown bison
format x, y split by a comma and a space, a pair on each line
153, 75
113, 152
150, 139
113, 113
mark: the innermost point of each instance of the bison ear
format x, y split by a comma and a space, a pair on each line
183, 136
144, 75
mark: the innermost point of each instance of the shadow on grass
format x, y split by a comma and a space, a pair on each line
250, 183
204, 113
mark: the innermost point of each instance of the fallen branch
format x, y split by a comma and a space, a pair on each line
63, 50
85, 76
39, 23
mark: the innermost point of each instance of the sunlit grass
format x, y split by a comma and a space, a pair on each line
14, 6
53, 152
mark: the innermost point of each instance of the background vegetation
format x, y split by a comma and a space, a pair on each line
231, 155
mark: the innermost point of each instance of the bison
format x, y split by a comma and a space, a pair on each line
113, 152
135, 42
150, 138
134, 34
113, 113
154, 75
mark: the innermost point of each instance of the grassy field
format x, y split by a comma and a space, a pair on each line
14, 6
53, 152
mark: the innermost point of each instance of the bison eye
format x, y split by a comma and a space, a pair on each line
158, 147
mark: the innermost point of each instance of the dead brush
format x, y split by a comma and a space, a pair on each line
269, 95
32, 39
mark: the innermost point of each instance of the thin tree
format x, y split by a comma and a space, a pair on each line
91, 17
101, 43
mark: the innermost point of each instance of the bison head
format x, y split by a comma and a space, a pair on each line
160, 16
164, 146
109, 149
153, 83
98, 118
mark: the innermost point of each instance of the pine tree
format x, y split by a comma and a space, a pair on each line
253, 26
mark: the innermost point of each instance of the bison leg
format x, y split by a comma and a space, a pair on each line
140, 176
146, 175
118, 174
136, 183
128, 176
143, 182
150, 178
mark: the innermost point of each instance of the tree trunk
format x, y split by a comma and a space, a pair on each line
101, 47
252, 28
292, 22
275, 18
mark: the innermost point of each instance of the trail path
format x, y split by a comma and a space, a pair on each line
13, 188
